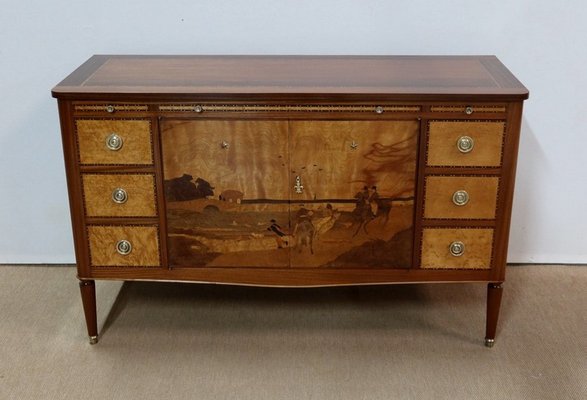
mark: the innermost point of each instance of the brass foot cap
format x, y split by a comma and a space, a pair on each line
489, 342
93, 339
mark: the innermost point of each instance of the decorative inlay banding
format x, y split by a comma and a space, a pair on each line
461, 109
285, 108
104, 107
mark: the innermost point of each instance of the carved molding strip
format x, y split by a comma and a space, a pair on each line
285, 108
476, 109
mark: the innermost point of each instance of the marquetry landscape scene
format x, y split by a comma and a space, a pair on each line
330, 194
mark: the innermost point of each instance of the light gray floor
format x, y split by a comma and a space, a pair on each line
186, 341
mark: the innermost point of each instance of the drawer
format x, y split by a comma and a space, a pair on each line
119, 195
469, 197
468, 109
125, 246
109, 107
465, 143
456, 248
114, 141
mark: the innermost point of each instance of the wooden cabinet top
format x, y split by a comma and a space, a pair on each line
153, 77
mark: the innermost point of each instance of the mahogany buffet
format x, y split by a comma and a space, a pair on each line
291, 171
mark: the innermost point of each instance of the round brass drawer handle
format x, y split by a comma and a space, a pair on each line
379, 110
465, 144
460, 197
114, 142
123, 247
468, 110
457, 249
110, 108
119, 196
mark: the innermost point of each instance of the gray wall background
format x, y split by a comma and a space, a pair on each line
543, 42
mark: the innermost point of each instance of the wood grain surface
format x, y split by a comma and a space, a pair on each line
407, 76
435, 248
93, 133
140, 189
442, 148
322, 155
255, 162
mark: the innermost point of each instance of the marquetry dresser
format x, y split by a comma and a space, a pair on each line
291, 170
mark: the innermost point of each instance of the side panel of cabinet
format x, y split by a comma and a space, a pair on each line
353, 193
226, 191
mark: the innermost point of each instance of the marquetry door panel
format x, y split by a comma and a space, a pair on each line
226, 192
301, 193
352, 196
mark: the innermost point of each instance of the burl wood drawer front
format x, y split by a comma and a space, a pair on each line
118, 195
108, 141
456, 248
467, 197
107, 243
465, 143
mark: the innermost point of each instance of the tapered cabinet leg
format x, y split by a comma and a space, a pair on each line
494, 292
88, 291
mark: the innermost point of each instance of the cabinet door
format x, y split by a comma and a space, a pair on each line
353, 193
226, 191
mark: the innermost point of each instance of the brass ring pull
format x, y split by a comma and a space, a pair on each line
460, 197
457, 249
123, 247
114, 142
465, 144
119, 196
